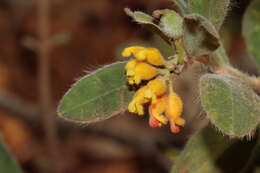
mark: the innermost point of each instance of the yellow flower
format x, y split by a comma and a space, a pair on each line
156, 112
156, 87
149, 55
164, 105
132, 50
130, 67
174, 111
136, 105
137, 71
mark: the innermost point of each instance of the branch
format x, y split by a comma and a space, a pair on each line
44, 84
16, 106
252, 81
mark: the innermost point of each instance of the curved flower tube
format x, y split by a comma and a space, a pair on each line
174, 110
149, 55
136, 105
156, 111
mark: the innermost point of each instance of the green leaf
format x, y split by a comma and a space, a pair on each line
214, 10
140, 17
251, 29
211, 152
7, 162
171, 23
200, 36
220, 56
232, 106
147, 21
97, 96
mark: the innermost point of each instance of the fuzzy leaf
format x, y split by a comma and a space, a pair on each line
97, 96
7, 162
251, 29
210, 152
220, 56
231, 105
171, 23
214, 10
200, 36
147, 21
140, 17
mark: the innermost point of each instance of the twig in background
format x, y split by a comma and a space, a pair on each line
44, 84
18, 107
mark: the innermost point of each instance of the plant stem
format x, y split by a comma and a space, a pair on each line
221, 65
180, 51
44, 84
254, 82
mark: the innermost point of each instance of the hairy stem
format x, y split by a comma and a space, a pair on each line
252, 81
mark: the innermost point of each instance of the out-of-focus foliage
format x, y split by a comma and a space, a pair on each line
251, 29
210, 152
7, 162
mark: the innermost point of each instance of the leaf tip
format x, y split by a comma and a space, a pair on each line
129, 12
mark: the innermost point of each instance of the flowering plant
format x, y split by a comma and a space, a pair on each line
229, 97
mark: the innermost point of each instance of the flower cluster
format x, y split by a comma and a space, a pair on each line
164, 104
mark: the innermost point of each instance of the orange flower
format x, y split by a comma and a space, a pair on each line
174, 111
148, 93
156, 111
164, 105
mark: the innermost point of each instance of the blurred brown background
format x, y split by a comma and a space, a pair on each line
83, 35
